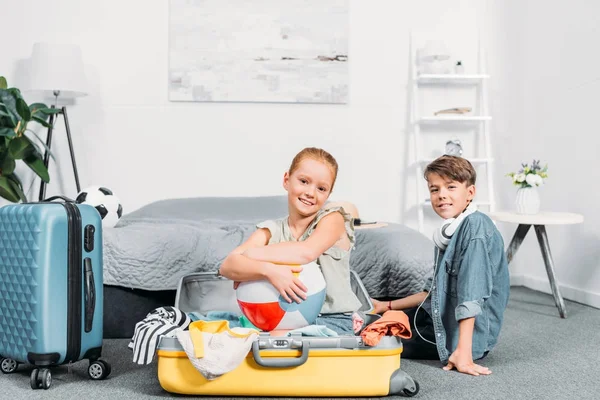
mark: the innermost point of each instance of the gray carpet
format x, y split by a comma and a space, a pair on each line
540, 356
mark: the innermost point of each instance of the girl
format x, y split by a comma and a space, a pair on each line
309, 233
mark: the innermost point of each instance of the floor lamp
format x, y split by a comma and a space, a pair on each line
57, 71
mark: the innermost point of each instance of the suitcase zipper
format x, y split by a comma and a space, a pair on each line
74, 283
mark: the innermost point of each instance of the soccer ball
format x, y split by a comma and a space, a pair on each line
103, 200
262, 304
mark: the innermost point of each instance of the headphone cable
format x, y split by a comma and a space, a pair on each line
435, 268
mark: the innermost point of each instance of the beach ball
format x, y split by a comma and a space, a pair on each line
262, 304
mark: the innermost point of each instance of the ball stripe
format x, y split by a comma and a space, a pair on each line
265, 316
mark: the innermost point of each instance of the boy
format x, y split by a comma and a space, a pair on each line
459, 315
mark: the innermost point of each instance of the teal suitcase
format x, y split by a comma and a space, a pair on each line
51, 288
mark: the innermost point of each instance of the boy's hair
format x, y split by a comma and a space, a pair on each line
456, 168
317, 155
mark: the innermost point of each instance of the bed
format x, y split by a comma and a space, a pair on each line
150, 249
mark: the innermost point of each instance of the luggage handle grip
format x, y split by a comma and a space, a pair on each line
90, 294
282, 362
64, 198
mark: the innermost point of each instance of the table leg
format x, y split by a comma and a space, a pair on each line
516, 241
540, 231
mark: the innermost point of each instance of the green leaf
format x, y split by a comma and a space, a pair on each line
20, 147
49, 111
41, 111
35, 107
8, 132
40, 121
17, 186
35, 110
7, 165
7, 191
36, 164
43, 143
23, 109
9, 106
16, 92
15, 178
3, 84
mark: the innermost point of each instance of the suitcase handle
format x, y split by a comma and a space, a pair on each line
90, 294
64, 198
282, 362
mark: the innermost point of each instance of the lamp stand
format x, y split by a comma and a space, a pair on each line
63, 111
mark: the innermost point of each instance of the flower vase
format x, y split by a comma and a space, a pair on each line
527, 201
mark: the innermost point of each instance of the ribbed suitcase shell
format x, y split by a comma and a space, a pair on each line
34, 285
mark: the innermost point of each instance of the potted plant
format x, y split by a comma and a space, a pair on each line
528, 179
17, 141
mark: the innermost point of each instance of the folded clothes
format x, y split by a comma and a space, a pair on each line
235, 320
163, 321
313, 330
214, 348
339, 322
392, 323
357, 322
232, 318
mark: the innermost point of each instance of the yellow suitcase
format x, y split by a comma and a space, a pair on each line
289, 366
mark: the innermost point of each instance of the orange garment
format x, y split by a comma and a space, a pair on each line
392, 323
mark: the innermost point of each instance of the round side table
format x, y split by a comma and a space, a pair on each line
539, 222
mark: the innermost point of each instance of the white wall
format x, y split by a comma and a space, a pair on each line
129, 137
547, 106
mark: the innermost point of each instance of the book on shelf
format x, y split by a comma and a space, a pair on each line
456, 110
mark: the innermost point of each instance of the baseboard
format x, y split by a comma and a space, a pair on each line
517, 280
567, 292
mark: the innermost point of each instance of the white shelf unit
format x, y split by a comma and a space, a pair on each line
451, 79
480, 122
451, 118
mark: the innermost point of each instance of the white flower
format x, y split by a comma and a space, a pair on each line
533, 180
540, 180
520, 178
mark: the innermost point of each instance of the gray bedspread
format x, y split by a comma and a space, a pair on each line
155, 246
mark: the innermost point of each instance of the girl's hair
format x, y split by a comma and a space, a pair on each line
317, 155
452, 167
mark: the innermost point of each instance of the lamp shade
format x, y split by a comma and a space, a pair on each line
434, 50
57, 67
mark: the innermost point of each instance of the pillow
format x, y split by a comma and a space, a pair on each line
218, 208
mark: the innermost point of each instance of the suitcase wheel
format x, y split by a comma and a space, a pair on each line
99, 370
40, 378
409, 392
8, 365
401, 383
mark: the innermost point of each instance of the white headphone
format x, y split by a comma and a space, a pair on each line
443, 235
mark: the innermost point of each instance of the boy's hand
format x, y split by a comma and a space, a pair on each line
463, 362
288, 285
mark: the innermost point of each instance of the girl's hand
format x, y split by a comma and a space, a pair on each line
379, 307
288, 285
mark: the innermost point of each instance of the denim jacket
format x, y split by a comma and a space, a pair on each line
471, 280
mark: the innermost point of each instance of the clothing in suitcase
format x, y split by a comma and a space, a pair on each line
51, 288
284, 365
